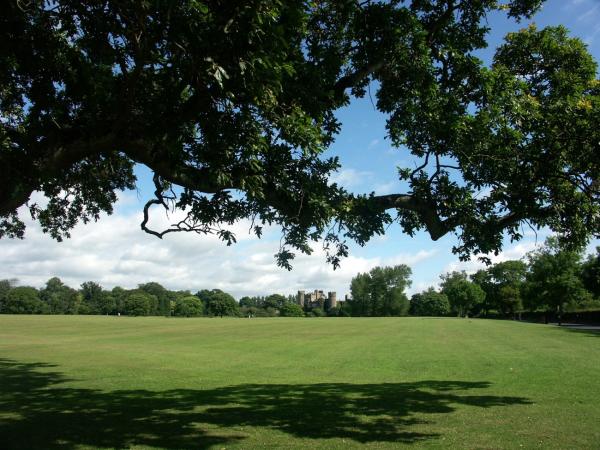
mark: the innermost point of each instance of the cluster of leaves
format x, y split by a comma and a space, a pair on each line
231, 106
463, 295
270, 306
148, 299
380, 292
429, 303
552, 278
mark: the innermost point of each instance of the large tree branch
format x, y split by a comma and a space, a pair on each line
427, 212
425, 209
21, 175
352, 79
436, 26
177, 172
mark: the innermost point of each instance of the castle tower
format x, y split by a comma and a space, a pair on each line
300, 298
331, 300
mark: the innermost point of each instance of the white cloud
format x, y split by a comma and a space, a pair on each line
373, 143
350, 178
589, 14
115, 252
390, 187
517, 251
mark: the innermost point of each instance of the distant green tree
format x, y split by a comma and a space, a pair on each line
361, 295
119, 294
106, 303
508, 278
24, 300
381, 292
251, 311
249, 302
509, 299
333, 312
590, 273
189, 306
219, 303
553, 280
267, 312
275, 301
429, 303
139, 303
60, 298
483, 279
91, 293
317, 312
204, 295
463, 295
163, 296
5, 287
291, 310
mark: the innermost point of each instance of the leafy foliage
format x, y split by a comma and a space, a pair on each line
291, 310
553, 280
381, 292
218, 303
5, 287
429, 303
23, 300
503, 284
190, 306
139, 303
590, 273
231, 106
60, 299
162, 295
462, 294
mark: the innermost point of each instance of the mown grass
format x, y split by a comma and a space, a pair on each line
118, 382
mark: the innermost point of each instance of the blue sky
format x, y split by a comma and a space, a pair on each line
115, 252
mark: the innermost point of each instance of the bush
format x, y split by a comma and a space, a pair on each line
139, 303
24, 300
429, 303
190, 306
291, 310
317, 312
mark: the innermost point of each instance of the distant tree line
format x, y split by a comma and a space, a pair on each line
549, 280
148, 299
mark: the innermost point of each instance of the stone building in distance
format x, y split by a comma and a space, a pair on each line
317, 299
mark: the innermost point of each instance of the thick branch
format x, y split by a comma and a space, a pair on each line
429, 215
426, 211
23, 175
435, 28
176, 172
354, 78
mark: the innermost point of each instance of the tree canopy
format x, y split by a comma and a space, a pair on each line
554, 278
429, 303
463, 295
380, 292
231, 106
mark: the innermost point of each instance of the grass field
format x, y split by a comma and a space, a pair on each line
114, 382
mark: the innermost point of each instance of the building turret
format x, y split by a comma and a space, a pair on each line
300, 298
331, 300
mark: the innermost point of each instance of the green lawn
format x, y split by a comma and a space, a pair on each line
114, 382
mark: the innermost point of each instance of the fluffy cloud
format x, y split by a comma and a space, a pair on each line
115, 252
350, 178
517, 251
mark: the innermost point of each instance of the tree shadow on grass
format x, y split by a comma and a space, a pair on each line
583, 329
36, 412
